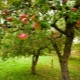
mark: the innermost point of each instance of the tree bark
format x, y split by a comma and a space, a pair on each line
63, 59
35, 58
67, 51
34, 63
63, 64
64, 69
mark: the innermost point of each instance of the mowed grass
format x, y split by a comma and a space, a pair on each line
20, 69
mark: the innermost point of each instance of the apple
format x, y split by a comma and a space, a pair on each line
9, 19
23, 16
73, 9
37, 26
6, 11
23, 36
24, 20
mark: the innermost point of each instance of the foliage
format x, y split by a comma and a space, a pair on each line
12, 46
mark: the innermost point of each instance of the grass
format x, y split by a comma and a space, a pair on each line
20, 69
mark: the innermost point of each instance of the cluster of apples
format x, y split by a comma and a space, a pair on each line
24, 20
36, 25
6, 12
23, 17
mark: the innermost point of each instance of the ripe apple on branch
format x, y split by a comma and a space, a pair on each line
23, 36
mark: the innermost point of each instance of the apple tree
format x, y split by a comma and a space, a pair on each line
23, 27
22, 44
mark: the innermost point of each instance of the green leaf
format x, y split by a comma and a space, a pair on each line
39, 2
45, 24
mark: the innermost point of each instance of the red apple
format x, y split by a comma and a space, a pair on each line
24, 20
73, 9
9, 19
37, 26
6, 11
23, 16
23, 36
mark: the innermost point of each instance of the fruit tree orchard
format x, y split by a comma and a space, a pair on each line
32, 21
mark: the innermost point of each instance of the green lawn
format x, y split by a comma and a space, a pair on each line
19, 69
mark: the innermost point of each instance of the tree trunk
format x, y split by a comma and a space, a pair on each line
64, 69
34, 63
35, 58
67, 51
63, 59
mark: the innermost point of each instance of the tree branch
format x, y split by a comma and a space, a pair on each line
61, 31
56, 49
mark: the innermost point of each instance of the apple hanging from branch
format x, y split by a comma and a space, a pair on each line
37, 26
23, 16
23, 36
6, 11
9, 19
24, 20
73, 9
